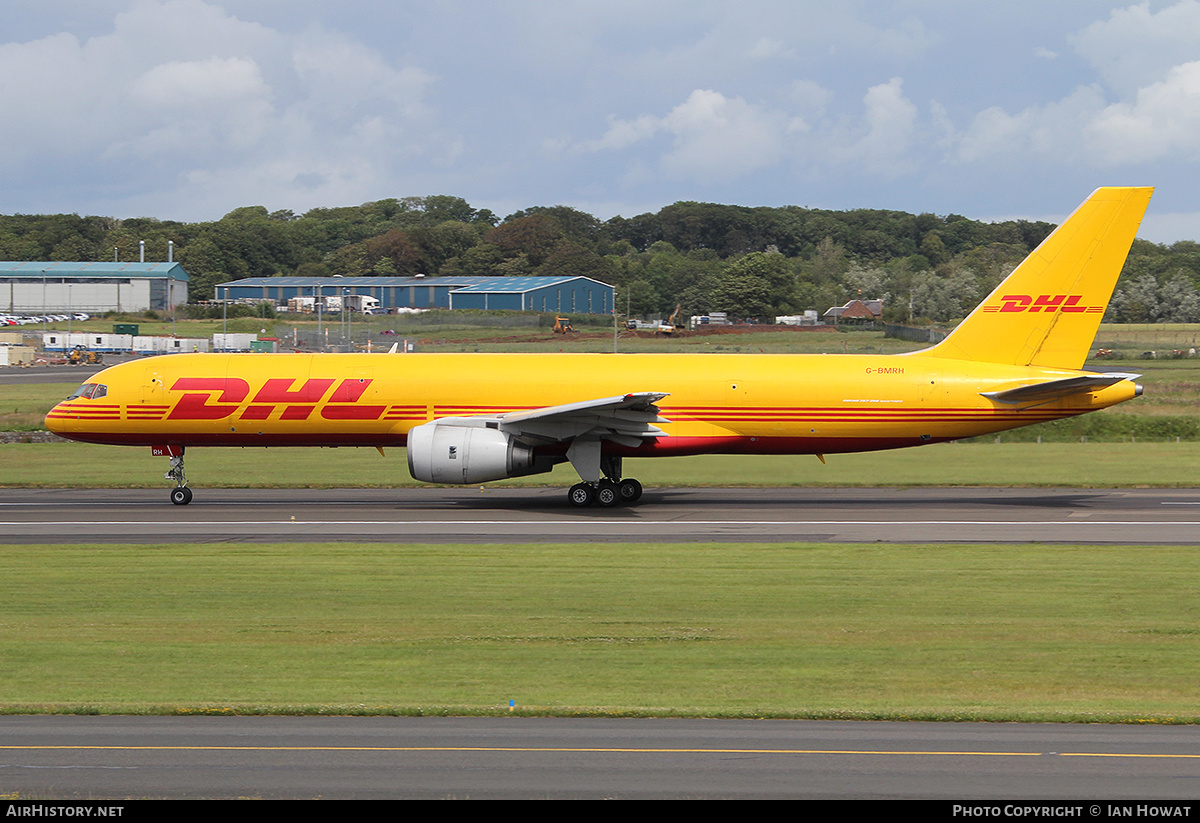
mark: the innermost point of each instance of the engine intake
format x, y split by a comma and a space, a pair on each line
463, 451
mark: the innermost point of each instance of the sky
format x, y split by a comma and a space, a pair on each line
188, 109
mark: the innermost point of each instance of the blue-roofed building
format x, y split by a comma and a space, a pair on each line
391, 292
57, 286
549, 294
573, 295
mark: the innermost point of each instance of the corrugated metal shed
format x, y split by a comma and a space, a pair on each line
391, 292
54, 285
31, 271
548, 294
552, 294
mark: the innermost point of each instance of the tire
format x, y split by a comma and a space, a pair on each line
581, 495
630, 490
607, 494
181, 495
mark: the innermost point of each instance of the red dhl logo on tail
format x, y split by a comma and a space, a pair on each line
215, 398
1066, 303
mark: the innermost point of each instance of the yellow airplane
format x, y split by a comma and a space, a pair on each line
471, 418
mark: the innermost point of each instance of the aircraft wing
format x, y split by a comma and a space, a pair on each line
1054, 389
625, 419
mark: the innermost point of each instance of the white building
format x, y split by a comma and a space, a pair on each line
57, 287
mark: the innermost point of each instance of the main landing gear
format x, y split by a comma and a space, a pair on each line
181, 495
607, 492
610, 490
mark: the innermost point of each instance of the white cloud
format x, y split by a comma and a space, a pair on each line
1151, 60
624, 133
1135, 47
810, 97
1053, 130
714, 138
1164, 121
216, 81
890, 121
719, 138
768, 48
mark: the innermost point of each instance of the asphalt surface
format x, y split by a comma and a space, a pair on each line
498, 514
19, 375
477, 758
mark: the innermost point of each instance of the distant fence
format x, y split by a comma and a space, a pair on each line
344, 333
915, 334
1139, 337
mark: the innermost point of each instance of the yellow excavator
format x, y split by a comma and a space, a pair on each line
670, 327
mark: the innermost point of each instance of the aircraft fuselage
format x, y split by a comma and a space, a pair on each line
747, 404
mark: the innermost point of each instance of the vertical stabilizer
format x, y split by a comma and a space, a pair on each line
1047, 311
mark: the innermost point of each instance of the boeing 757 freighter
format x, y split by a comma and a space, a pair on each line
1016, 359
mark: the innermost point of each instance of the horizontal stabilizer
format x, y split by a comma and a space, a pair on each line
1055, 389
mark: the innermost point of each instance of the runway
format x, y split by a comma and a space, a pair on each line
479, 758
521, 515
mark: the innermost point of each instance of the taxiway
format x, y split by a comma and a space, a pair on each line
392, 757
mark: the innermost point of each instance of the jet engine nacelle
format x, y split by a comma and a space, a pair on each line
468, 451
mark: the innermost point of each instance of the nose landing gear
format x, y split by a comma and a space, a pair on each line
181, 495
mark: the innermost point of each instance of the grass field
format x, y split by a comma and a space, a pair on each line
936, 632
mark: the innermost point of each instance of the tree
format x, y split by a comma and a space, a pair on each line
1179, 302
933, 249
572, 260
1135, 301
776, 275
440, 208
743, 295
577, 226
533, 237
942, 299
639, 298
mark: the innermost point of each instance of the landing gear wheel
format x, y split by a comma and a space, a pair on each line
607, 493
581, 495
630, 490
181, 496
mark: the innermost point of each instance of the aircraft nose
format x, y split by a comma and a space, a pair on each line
57, 420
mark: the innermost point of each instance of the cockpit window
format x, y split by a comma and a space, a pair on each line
90, 391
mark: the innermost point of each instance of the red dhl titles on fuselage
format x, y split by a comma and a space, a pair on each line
777, 403
208, 398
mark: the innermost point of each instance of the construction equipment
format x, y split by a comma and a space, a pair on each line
669, 326
562, 325
80, 356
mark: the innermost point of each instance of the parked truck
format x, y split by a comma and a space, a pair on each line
363, 303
